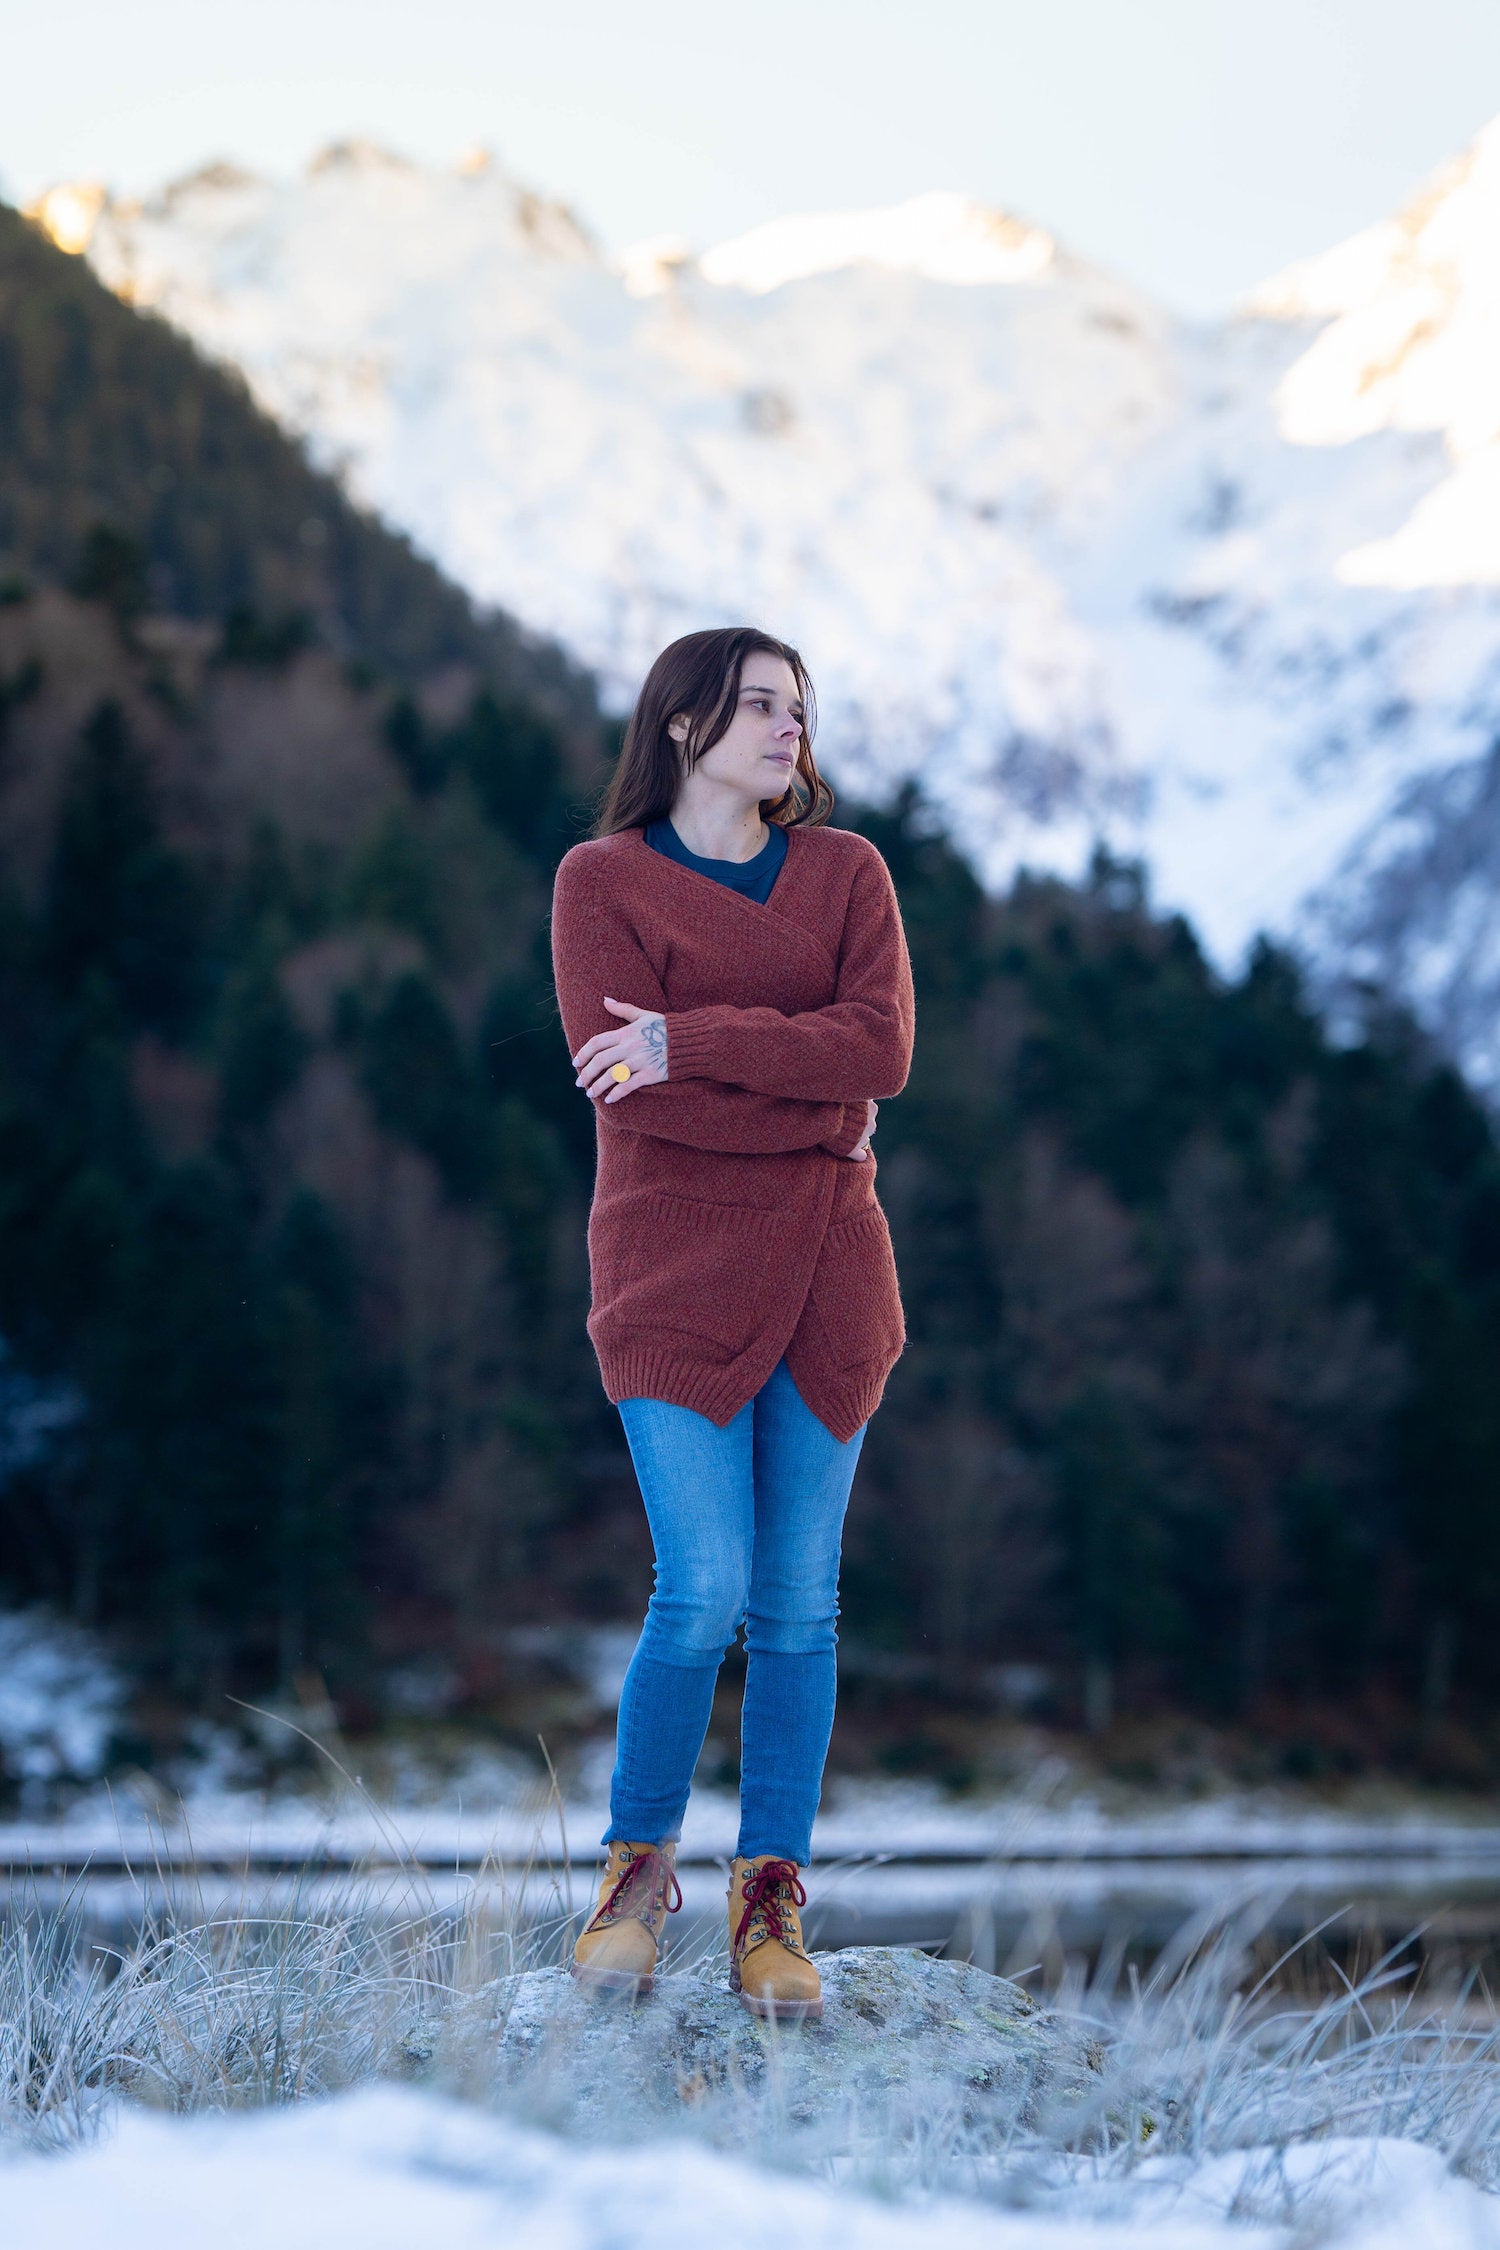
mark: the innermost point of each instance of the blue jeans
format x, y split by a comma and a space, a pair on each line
746, 1522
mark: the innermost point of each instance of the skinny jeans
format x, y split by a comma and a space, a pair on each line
747, 1523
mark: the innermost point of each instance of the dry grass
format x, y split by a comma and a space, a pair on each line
245, 2010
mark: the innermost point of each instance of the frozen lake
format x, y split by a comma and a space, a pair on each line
1009, 1884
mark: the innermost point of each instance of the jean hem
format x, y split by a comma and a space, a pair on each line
620, 1832
799, 1858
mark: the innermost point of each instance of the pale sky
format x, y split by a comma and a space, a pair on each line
1192, 145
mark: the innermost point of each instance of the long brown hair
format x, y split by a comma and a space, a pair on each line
698, 679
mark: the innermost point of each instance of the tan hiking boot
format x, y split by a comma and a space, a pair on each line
768, 1963
617, 1951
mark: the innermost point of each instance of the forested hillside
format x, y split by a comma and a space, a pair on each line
1199, 1407
129, 460
1198, 1413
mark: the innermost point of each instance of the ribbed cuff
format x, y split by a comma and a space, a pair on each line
691, 1042
850, 1131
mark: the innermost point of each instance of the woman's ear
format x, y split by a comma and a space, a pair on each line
678, 728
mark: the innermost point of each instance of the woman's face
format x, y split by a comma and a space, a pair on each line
756, 756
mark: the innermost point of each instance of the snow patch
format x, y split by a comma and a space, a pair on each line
34, 1415
387, 2168
59, 1700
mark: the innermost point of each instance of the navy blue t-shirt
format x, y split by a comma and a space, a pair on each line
752, 878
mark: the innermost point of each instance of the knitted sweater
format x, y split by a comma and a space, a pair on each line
729, 1228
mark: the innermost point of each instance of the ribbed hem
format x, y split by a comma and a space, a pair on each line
844, 1411
641, 1371
843, 1398
842, 1401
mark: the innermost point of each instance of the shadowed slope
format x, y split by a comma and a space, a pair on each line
108, 417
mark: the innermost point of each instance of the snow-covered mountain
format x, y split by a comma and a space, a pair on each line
1228, 597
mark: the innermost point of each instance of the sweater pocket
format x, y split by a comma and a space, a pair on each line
855, 1299
706, 1270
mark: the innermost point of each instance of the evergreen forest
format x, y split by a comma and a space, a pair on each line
1198, 1425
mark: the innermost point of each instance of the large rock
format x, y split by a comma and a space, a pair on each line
902, 2035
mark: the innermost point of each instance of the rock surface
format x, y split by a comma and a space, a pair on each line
901, 2034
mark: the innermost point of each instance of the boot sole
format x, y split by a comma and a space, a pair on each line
612, 1982
783, 2011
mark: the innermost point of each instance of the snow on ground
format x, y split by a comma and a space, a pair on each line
391, 2169
59, 1701
1228, 596
433, 1794
512, 1816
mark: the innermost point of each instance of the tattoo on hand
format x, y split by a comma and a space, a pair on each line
653, 1031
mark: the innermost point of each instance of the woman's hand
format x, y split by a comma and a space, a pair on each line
640, 1044
861, 1148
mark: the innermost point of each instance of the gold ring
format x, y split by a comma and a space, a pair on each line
619, 1072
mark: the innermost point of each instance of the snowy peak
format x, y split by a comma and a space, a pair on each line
1229, 597
1412, 344
360, 158
1444, 237
613, 455
941, 237
938, 237
136, 245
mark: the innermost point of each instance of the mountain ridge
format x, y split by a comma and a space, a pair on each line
202, 486
1077, 566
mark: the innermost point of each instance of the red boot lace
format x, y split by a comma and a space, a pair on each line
666, 1892
768, 1892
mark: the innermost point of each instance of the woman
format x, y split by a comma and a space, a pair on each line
736, 993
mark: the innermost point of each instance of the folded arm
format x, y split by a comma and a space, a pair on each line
858, 1047
594, 952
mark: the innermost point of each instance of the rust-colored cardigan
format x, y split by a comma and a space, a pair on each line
728, 1228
